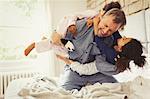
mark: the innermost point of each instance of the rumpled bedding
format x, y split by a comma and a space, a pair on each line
46, 88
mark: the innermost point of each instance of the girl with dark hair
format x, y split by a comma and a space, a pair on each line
128, 49
111, 5
107, 50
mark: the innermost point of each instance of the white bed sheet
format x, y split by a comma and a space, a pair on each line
97, 90
14, 88
139, 90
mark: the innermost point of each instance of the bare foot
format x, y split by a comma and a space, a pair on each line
29, 49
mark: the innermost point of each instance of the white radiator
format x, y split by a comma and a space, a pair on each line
6, 78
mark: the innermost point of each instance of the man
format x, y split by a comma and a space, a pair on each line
87, 51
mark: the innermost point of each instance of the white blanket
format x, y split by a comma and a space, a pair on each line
45, 88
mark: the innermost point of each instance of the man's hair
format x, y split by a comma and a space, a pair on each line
118, 14
111, 5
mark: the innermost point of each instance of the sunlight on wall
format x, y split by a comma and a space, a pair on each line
17, 28
25, 21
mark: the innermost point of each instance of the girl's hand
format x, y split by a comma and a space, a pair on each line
96, 21
56, 39
89, 22
66, 60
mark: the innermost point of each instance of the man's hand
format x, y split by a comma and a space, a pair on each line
66, 60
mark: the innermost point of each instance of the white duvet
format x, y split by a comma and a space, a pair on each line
45, 88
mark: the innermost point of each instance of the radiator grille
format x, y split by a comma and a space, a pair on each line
6, 78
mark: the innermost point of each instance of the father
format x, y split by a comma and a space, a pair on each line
86, 50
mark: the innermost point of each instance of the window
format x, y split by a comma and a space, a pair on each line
21, 22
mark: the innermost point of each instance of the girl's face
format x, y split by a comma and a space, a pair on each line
122, 41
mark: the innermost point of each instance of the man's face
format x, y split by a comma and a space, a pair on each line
107, 27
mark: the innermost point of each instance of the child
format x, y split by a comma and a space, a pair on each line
68, 24
126, 51
93, 18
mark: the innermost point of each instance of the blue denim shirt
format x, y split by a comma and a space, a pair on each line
86, 50
107, 51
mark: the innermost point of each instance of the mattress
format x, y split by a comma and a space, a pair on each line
138, 88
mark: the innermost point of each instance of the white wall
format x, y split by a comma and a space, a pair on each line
60, 8
147, 18
138, 27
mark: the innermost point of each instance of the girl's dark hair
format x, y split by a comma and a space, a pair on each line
131, 51
111, 5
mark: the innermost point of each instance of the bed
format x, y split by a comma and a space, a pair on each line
47, 88
134, 84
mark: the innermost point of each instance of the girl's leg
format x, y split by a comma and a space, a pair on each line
29, 49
